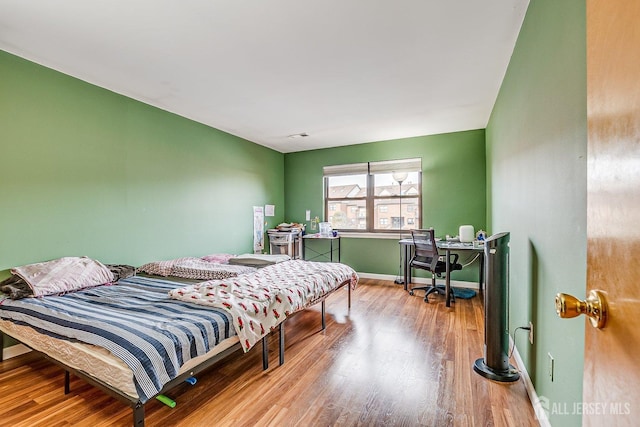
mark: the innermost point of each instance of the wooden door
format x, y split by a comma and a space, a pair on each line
611, 386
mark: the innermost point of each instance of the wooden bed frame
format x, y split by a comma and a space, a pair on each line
136, 405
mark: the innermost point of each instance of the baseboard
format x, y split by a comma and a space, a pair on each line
536, 402
421, 280
14, 350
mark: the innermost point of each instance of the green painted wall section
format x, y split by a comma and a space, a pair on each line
453, 183
536, 176
88, 172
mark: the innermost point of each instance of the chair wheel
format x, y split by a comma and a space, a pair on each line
411, 293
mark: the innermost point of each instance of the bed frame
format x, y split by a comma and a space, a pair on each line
134, 403
321, 300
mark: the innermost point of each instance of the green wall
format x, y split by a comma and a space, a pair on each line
536, 178
88, 172
453, 185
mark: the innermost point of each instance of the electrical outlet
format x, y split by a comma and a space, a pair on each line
551, 366
531, 333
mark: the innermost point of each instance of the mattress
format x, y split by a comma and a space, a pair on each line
94, 360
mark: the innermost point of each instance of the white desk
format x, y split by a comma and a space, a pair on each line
407, 245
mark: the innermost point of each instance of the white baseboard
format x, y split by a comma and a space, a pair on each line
421, 280
14, 350
538, 408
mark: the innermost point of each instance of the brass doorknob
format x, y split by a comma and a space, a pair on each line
595, 307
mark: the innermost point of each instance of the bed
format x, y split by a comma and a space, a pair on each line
182, 338
260, 302
128, 339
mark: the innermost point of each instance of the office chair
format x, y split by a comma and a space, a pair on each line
426, 257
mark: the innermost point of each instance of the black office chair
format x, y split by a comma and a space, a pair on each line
426, 257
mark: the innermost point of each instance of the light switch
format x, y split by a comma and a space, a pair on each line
308, 215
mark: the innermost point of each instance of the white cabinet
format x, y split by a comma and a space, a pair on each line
285, 243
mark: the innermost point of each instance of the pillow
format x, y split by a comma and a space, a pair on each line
63, 275
218, 258
259, 260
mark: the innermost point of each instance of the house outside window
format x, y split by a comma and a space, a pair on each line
384, 196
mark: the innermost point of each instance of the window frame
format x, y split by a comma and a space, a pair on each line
370, 200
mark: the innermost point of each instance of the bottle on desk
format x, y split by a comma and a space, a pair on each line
480, 238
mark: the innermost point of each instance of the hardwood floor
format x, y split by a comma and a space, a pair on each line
391, 360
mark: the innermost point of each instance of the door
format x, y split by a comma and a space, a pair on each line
611, 385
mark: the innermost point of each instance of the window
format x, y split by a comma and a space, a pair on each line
375, 196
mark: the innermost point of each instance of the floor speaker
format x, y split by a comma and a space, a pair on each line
495, 364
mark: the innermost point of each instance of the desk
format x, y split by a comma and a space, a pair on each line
407, 245
317, 254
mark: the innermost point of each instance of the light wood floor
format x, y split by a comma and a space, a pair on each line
391, 360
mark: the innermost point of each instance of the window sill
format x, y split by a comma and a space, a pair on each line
389, 236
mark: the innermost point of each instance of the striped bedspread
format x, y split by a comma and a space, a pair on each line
135, 320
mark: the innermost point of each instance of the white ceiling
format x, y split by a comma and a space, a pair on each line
343, 71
